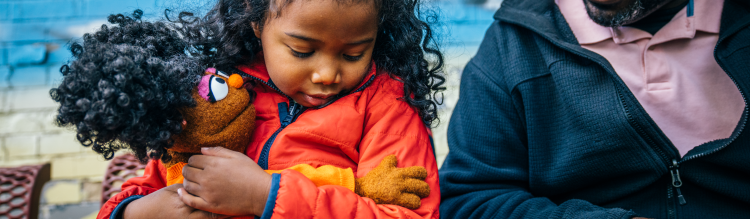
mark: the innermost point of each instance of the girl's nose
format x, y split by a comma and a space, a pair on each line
326, 76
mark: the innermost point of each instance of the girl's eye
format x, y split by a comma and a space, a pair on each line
302, 55
353, 58
218, 89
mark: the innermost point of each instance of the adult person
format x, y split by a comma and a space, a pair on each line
604, 109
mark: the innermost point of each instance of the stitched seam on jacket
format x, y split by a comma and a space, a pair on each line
484, 73
356, 209
316, 135
387, 104
317, 202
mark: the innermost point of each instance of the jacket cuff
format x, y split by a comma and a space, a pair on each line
117, 213
271, 201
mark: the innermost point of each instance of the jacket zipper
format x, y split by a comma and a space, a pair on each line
676, 181
290, 116
292, 113
674, 167
286, 118
742, 124
671, 213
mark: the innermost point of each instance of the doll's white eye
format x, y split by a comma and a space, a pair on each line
218, 88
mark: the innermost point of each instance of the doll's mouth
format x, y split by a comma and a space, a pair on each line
243, 118
227, 123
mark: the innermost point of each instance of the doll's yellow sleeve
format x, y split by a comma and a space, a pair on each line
324, 175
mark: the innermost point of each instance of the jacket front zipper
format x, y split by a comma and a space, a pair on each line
742, 123
287, 115
286, 118
674, 170
672, 164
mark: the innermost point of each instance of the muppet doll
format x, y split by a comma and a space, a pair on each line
137, 86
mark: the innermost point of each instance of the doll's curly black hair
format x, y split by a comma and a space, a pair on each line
126, 83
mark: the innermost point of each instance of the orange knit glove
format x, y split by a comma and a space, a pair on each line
387, 184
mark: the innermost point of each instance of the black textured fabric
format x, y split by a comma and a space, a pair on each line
546, 129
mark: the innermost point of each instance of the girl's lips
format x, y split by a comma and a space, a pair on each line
317, 100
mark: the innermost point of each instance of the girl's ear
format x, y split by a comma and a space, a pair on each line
256, 29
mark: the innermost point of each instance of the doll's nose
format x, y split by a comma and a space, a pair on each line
236, 81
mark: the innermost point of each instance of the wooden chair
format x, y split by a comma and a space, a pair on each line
20, 188
121, 168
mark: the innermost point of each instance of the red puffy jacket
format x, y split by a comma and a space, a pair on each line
356, 131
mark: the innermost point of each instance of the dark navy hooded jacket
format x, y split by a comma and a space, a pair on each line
546, 129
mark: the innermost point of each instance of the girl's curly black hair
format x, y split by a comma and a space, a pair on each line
402, 48
126, 83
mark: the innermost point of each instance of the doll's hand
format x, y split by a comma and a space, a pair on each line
387, 184
225, 182
165, 203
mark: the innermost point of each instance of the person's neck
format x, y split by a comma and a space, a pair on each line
674, 3
669, 5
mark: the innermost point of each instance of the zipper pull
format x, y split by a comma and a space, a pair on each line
676, 181
290, 116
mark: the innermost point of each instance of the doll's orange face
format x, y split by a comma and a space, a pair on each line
224, 116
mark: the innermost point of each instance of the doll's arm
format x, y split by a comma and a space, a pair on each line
373, 185
376, 184
388, 184
324, 175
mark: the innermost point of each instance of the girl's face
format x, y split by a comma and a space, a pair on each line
319, 48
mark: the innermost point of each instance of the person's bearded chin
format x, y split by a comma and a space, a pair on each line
614, 13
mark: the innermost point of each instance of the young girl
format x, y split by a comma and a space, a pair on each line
340, 82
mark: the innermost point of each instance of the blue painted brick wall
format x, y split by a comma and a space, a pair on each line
5, 9
36, 33
29, 76
4, 74
3, 55
26, 54
103, 8
46, 9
